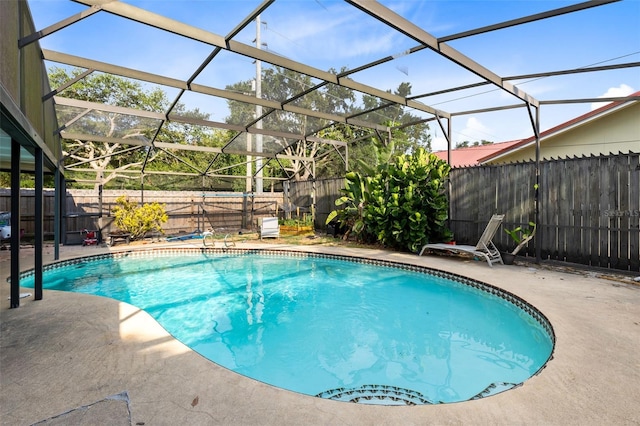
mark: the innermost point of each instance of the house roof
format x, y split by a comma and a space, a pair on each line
470, 156
589, 116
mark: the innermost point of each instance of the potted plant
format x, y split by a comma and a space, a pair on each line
521, 236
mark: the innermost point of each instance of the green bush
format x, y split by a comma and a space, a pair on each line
403, 205
305, 220
350, 215
137, 221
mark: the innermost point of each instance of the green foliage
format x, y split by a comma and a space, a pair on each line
106, 162
137, 221
27, 180
279, 83
519, 234
408, 205
467, 144
305, 220
350, 216
404, 205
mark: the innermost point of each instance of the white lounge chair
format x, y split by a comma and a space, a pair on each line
484, 249
269, 228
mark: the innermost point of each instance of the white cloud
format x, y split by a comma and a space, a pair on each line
474, 130
622, 90
438, 143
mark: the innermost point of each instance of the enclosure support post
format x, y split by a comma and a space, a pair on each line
535, 123
15, 224
449, 189
38, 218
259, 181
100, 221
244, 210
63, 208
447, 135
56, 213
249, 174
313, 194
540, 237
286, 185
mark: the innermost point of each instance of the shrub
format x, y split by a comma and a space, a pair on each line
403, 205
305, 220
137, 221
350, 215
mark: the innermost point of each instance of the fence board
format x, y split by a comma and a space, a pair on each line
548, 235
590, 207
634, 212
573, 234
624, 222
614, 221
592, 213
185, 211
605, 164
555, 170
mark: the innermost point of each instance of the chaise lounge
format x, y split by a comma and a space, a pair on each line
484, 249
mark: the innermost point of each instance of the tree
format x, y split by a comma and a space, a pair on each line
407, 139
467, 144
27, 180
108, 161
110, 90
281, 84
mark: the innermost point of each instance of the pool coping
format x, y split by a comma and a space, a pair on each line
509, 297
594, 319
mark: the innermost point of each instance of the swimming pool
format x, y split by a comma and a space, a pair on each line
335, 327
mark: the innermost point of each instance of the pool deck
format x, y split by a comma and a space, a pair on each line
86, 360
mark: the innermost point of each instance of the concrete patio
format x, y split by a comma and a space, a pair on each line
78, 359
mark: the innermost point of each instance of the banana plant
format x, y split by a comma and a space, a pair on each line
352, 203
521, 236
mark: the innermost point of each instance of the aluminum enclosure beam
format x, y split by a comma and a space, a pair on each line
179, 28
86, 105
534, 75
25, 41
527, 19
404, 26
167, 145
225, 94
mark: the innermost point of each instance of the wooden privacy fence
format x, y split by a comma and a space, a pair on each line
589, 207
188, 211
479, 192
301, 195
590, 211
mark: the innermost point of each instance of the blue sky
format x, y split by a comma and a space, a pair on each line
331, 34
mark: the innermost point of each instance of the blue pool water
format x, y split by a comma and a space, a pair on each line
329, 327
